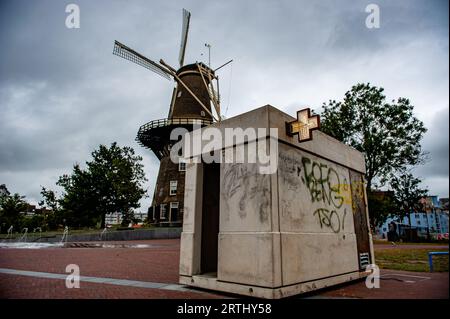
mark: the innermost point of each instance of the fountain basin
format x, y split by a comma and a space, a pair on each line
23, 245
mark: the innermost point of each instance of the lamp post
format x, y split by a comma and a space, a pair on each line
438, 230
428, 225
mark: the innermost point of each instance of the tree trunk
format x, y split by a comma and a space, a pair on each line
369, 184
410, 227
103, 223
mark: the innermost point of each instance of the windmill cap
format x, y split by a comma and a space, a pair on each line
193, 67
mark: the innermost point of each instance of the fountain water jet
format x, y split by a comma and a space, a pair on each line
65, 233
9, 234
104, 232
23, 238
40, 233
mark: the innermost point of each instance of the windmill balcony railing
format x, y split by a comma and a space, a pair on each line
174, 121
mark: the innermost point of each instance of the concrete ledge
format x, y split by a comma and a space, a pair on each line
207, 281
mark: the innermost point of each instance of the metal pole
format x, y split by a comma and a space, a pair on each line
430, 261
209, 54
223, 65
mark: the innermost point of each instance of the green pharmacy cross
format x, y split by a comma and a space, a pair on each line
304, 125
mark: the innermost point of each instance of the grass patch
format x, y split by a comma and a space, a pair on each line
410, 259
385, 242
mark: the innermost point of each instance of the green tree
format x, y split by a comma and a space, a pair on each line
112, 182
52, 217
387, 134
79, 199
381, 206
128, 217
11, 207
49, 200
407, 195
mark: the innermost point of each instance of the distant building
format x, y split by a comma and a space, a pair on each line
433, 221
113, 218
30, 210
116, 218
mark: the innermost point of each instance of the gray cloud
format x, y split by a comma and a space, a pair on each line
435, 171
62, 92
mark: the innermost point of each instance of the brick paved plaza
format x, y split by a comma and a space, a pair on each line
152, 272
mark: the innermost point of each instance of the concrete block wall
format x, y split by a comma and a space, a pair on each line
293, 226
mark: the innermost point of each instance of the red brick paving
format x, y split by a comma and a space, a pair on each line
17, 287
395, 287
159, 263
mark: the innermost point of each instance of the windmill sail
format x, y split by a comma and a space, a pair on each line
184, 35
129, 54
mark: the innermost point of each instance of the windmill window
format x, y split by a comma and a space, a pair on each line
179, 93
202, 113
174, 211
173, 188
182, 166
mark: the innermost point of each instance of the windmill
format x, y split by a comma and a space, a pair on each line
196, 89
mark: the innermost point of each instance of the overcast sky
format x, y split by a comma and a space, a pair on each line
63, 92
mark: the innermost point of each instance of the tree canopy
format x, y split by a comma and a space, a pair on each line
10, 208
388, 134
407, 194
111, 182
381, 206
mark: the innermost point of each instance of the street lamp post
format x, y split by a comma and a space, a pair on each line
428, 226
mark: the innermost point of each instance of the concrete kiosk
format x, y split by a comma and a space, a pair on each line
301, 228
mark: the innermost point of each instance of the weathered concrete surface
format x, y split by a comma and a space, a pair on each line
238, 249
283, 233
269, 117
191, 235
245, 199
323, 145
309, 257
316, 219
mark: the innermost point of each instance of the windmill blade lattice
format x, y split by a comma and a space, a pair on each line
129, 54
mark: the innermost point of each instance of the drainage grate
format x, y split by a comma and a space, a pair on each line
364, 260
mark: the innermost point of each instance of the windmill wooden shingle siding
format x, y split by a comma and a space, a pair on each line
190, 105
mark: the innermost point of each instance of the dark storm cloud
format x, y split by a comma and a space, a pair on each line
62, 92
436, 143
